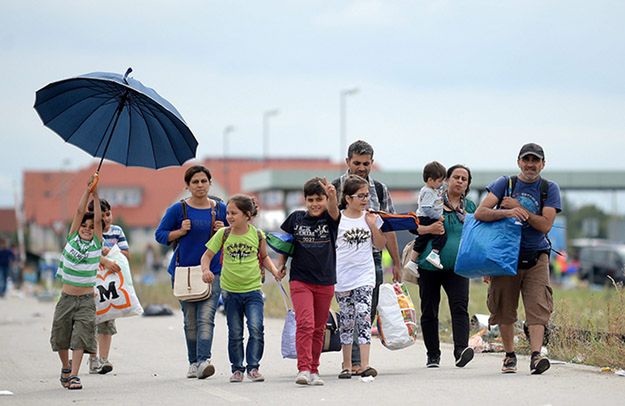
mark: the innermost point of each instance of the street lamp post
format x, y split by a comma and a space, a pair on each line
266, 115
227, 130
343, 136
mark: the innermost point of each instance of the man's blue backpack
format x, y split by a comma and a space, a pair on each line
488, 249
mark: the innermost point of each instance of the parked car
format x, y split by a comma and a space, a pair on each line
598, 262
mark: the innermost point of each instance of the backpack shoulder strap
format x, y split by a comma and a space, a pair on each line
544, 192
379, 190
262, 248
225, 236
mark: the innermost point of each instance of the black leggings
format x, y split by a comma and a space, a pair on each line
457, 289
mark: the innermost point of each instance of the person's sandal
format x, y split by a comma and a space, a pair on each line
356, 370
65, 373
369, 371
73, 383
345, 374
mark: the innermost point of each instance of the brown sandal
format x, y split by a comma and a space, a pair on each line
369, 371
345, 374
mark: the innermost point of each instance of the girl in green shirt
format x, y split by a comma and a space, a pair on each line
244, 250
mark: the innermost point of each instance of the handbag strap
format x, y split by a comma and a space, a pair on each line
285, 297
185, 216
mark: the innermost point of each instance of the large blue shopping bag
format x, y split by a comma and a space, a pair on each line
488, 249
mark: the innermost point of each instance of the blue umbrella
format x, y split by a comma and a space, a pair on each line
116, 117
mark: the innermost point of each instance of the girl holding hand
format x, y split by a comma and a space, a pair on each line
358, 231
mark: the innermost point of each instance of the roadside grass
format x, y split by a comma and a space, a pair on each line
589, 325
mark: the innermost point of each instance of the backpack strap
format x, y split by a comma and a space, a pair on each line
379, 190
225, 235
338, 185
544, 191
262, 249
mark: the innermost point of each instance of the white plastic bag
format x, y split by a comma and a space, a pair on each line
115, 294
397, 318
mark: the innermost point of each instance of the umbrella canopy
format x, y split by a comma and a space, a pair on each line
116, 117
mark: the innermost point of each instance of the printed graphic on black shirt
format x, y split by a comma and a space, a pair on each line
239, 251
356, 236
316, 233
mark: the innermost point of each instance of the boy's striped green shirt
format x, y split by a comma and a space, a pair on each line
80, 261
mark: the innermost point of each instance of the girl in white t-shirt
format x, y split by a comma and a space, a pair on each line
359, 231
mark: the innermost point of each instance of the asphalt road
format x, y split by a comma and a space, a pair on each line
149, 358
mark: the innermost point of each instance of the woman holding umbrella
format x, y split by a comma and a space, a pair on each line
191, 223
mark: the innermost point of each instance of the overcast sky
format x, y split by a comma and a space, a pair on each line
454, 81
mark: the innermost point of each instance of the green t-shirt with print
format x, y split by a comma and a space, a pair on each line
240, 271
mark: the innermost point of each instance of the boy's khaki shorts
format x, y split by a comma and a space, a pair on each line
106, 328
532, 284
73, 326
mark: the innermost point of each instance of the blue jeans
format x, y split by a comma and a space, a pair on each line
199, 323
4, 276
379, 278
250, 305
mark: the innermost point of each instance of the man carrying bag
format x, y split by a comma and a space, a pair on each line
535, 202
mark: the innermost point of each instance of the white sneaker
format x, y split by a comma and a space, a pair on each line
105, 367
192, 372
316, 380
303, 378
412, 268
205, 369
94, 365
434, 259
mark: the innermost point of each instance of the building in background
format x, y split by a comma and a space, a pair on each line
138, 196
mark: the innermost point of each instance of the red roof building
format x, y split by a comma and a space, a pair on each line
8, 222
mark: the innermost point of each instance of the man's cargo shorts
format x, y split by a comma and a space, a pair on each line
532, 284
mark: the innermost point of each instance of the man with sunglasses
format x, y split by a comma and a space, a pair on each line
359, 162
535, 202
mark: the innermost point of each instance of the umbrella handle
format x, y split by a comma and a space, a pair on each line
93, 182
